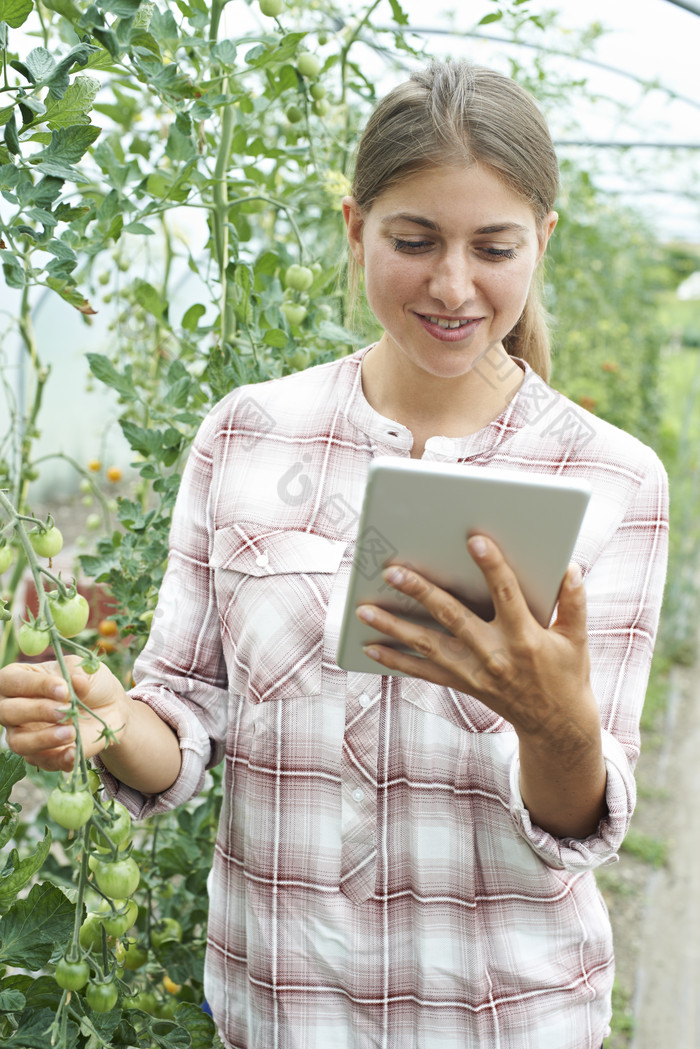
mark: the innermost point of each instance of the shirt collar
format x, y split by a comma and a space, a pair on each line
390, 437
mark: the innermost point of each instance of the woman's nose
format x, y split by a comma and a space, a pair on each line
452, 281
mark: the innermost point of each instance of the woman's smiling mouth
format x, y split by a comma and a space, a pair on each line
449, 329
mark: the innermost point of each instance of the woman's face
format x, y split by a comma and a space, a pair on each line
448, 256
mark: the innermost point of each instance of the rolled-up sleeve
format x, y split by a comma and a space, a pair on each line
181, 673
624, 590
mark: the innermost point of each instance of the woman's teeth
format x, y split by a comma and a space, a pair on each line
442, 323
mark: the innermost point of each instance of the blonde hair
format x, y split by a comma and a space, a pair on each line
458, 113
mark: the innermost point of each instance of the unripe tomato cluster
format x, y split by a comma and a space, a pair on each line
92, 965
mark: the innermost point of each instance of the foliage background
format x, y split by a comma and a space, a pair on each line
164, 165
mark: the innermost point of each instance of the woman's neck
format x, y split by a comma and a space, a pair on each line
430, 405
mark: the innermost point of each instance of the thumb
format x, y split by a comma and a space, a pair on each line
571, 609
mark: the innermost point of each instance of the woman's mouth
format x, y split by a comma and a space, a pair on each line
449, 329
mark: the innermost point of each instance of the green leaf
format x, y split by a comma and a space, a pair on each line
31, 929
11, 1001
12, 770
12, 269
69, 144
40, 63
72, 109
149, 298
33, 1031
17, 872
275, 337
193, 316
198, 1025
103, 370
494, 17
398, 13
121, 8
146, 442
11, 138
225, 52
15, 12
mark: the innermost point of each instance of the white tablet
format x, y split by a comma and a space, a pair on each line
420, 514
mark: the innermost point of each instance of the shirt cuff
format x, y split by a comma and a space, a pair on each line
573, 854
196, 749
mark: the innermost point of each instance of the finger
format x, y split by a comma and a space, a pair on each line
41, 679
56, 760
19, 710
435, 648
571, 609
508, 601
30, 741
413, 666
443, 607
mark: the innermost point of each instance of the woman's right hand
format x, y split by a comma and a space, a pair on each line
34, 703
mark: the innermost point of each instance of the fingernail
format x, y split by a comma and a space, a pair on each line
477, 546
373, 653
60, 691
365, 613
62, 712
394, 575
65, 732
575, 576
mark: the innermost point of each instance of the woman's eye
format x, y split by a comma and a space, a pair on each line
410, 245
499, 253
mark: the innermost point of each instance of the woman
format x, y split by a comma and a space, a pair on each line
401, 862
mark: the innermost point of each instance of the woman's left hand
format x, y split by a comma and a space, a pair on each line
534, 677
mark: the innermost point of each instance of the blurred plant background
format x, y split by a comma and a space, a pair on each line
162, 165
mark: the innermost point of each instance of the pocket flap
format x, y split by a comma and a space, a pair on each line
256, 551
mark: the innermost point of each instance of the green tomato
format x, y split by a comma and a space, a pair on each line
320, 107
70, 809
135, 955
272, 8
102, 997
118, 917
317, 91
119, 829
294, 312
144, 1000
294, 114
90, 934
32, 640
70, 614
5, 557
117, 879
46, 542
299, 278
166, 929
308, 65
72, 976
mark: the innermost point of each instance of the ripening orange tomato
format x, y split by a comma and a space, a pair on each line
114, 474
94, 465
107, 628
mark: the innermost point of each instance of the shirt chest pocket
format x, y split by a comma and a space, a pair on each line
273, 588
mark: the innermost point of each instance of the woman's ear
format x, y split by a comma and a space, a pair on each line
546, 230
355, 221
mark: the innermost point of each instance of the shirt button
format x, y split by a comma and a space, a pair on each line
358, 794
262, 560
364, 700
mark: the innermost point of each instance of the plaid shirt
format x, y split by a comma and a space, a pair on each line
377, 881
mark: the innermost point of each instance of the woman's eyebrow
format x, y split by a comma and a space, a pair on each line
419, 220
